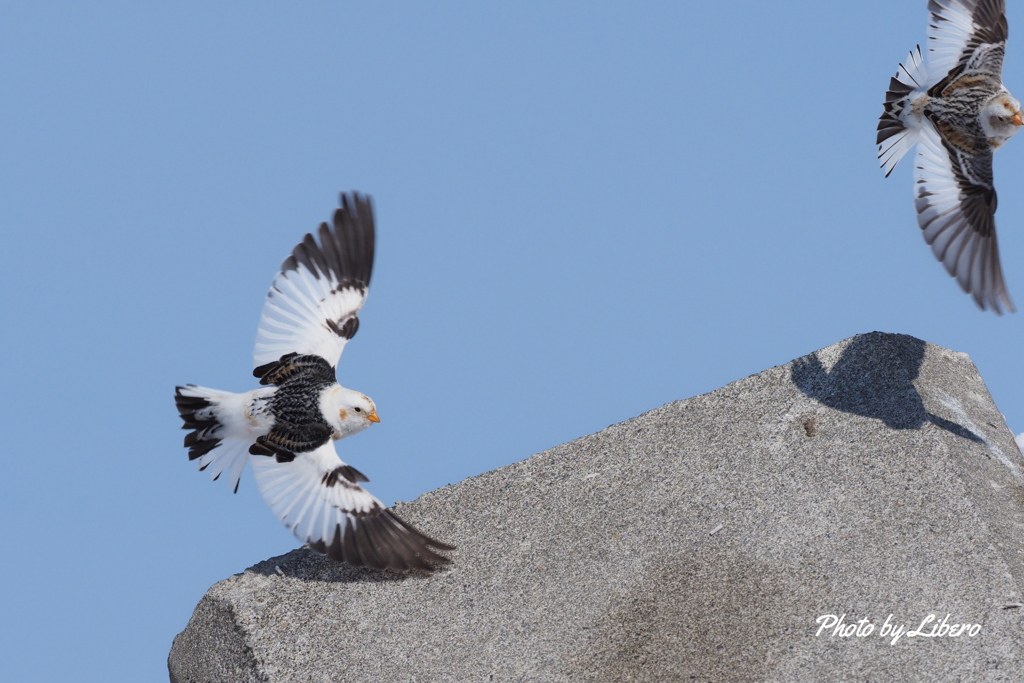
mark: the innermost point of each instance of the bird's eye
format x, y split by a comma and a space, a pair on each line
359, 410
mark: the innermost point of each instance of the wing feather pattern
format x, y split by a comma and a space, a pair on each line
956, 30
317, 497
312, 305
956, 205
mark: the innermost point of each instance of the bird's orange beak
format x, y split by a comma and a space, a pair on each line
372, 417
1017, 120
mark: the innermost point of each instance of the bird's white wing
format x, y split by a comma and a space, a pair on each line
312, 305
317, 496
956, 205
960, 31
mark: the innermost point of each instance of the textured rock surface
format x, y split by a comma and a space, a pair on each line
701, 540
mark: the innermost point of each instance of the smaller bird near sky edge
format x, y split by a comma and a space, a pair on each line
287, 428
957, 112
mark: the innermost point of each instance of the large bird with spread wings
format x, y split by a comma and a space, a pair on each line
957, 112
287, 428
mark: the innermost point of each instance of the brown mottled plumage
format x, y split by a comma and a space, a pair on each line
957, 112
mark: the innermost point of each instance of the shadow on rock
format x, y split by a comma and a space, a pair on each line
874, 377
306, 565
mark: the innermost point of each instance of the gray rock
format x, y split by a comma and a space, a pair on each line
699, 541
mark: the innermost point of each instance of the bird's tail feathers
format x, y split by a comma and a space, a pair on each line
210, 440
894, 138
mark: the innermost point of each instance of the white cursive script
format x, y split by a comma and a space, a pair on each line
836, 626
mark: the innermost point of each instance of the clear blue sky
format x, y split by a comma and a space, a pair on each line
585, 211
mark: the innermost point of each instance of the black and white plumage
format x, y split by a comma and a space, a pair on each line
957, 112
287, 428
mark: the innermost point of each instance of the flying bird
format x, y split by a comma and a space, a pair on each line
288, 426
957, 112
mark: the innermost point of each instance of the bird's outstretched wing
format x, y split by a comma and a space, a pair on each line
318, 498
312, 305
966, 34
956, 205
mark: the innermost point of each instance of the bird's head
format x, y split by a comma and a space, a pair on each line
347, 411
1001, 118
